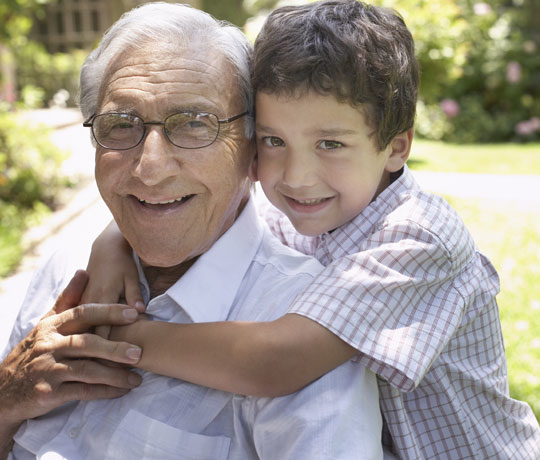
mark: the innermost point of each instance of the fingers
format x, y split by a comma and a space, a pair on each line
99, 291
95, 373
84, 317
72, 391
71, 295
103, 331
132, 290
93, 346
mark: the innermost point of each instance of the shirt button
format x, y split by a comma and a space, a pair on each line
73, 433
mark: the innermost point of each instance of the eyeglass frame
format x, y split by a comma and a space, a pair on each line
89, 123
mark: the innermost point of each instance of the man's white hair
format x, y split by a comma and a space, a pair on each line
174, 24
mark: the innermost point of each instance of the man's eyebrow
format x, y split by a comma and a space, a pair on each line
190, 108
122, 108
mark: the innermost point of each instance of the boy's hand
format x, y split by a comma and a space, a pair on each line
126, 333
113, 274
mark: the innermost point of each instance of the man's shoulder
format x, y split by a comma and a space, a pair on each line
277, 274
48, 281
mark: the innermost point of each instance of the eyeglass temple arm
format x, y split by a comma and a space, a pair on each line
236, 117
88, 122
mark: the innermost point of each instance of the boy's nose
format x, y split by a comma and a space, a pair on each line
299, 169
157, 160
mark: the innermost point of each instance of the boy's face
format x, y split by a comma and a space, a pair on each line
317, 160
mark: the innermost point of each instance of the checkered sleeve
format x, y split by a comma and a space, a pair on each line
394, 300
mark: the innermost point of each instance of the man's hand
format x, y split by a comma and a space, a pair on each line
55, 362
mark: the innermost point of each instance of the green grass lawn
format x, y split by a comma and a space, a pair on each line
510, 236
485, 158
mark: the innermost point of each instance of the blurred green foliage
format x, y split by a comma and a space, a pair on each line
30, 176
15, 17
41, 75
228, 10
480, 66
29, 182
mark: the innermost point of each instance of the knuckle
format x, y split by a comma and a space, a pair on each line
43, 345
79, 313
82, 370
44, 394
84, 341
118, 348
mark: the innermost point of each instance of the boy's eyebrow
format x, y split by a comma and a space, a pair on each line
264, 128
335, 132
319, 132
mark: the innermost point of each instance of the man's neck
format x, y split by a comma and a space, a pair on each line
162, 278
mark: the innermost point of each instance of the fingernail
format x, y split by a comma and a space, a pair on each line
134, 353
130, 314
134, 379
139, 305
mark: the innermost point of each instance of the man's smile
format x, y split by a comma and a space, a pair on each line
161, 204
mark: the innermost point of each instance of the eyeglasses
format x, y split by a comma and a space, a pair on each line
187, 130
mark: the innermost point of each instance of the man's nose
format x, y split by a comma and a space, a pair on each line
156, 161
300, 169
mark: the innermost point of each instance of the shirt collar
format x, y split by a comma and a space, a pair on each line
207, 290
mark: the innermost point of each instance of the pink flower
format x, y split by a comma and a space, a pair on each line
513, 72
450, 107
481, 9
528, 127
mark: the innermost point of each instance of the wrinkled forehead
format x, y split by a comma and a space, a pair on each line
178, 74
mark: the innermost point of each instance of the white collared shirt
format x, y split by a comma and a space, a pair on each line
246, 275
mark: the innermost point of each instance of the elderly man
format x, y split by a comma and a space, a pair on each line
167, 96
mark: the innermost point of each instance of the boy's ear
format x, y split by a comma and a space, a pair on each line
252, 172
400, 148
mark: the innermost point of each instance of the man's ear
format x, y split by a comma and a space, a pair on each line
252, 172
400, 148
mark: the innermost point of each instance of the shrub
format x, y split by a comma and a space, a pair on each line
483, 58
30, 180
41, 75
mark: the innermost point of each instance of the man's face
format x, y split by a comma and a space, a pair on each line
170, 203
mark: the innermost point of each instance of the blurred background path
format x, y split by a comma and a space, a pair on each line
82, 214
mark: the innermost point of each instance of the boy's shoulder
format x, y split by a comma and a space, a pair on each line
406, 212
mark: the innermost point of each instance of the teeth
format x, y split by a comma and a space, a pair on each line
311, 202
163, 202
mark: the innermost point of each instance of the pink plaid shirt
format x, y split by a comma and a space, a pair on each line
405, 284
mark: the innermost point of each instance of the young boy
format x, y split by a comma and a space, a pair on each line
405, 291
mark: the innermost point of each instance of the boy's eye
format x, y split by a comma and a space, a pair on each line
273, 141
330, 145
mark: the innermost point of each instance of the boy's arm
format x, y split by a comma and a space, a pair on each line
113, 274
253, 358
263, 359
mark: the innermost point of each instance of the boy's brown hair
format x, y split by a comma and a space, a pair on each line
358, 53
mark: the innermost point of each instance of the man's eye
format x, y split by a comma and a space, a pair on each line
273, 141
330, 145
122, 125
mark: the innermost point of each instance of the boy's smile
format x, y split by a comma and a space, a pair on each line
318, 161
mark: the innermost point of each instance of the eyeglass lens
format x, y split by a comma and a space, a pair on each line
188, 130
